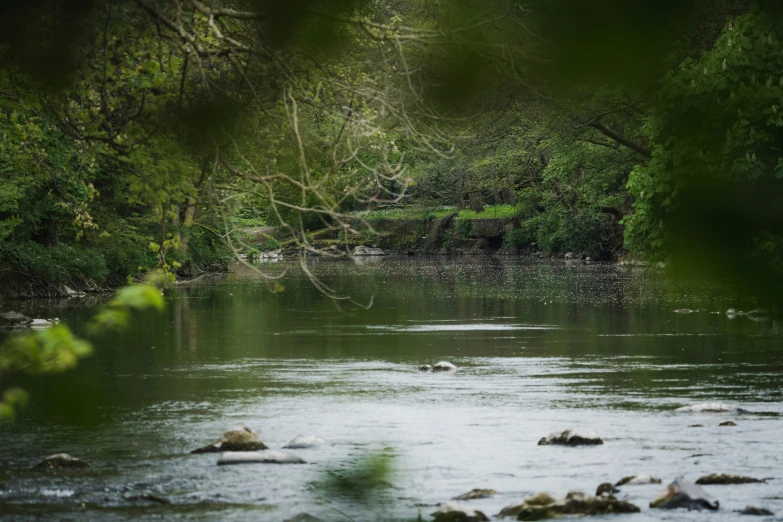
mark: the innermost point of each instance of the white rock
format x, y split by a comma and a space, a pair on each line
260, 457
368, 251
458, 512
707, 407
639, 480
572, 437
305, 442
444, 366
70, 292
43, 323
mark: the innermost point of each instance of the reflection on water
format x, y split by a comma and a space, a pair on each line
541, 347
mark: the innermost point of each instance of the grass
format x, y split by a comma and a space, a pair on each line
494, 211
249, 222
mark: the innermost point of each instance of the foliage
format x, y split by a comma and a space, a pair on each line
710, 194
464, 226
361, 480
57, 349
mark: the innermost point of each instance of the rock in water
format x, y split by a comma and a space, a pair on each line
42, 324
572, 437
425, 368
635, 480
368, 251
543, 506
234, 440
710, 407
12, 319
756, 511
476, 494
444, 366
305, 442
606, 489
148, 497
727, 423
454, 513
722, 479
682, 494
303, 517
61, 461
258, 457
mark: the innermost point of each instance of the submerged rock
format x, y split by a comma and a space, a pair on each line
756, 511
61, 461
572, 437
696, 426
305, 442
606, 488
455, 513
543, 506
710, 407
258, 457
368, 251
148, 497
637, 480
723, 479
444, 366
234, 440
303, 517
476, 494
682, 494
425, 368
727, 423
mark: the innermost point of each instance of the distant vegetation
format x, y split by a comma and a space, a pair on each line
139, 135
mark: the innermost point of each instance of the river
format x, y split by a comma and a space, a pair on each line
540, 346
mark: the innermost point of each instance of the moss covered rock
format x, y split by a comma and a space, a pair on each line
543, 506
234, 440
61, 461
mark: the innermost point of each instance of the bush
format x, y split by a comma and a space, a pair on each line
56, 264
464, 226
519, 238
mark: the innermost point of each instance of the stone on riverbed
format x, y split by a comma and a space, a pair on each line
444, 366
61, 461
638, 480
305, 442
572, 437
456, 513
234, 440
476, 494
682, 494
258, 457
723, 479
756, 511
543, 506
606, 488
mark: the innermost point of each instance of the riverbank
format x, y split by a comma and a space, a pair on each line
428, 234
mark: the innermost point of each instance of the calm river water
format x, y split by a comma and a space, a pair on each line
540, 347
